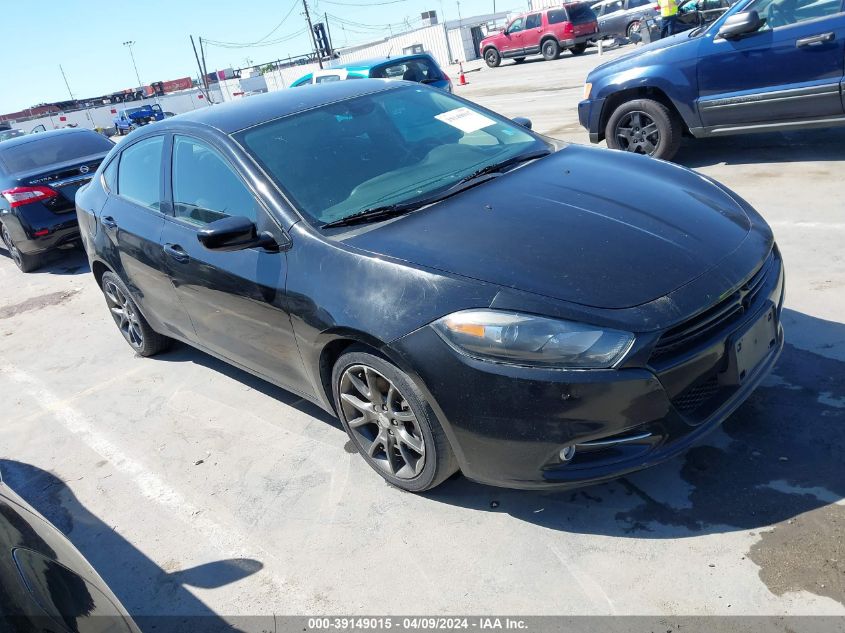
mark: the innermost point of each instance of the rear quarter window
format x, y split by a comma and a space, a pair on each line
557, 16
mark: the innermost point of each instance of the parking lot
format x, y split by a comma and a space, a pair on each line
197, 489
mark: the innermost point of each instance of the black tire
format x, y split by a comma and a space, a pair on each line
622, 131
438, 460
518, 60
492, 57
633, 26
578, 49
131, 323
26, 263
550, 50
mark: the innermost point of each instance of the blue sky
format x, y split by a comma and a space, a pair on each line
86, 38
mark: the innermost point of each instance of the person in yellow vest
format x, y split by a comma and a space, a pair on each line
669, 16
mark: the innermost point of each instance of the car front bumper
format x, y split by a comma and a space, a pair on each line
589, 115
508, 424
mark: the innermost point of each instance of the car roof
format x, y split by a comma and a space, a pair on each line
32, 138
377, 61
236, 115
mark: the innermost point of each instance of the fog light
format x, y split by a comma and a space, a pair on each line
567, 453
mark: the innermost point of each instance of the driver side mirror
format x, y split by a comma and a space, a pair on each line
234, 233
740, 24
523, 121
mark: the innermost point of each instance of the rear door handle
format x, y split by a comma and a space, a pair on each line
176, 252
109, 222
815, 40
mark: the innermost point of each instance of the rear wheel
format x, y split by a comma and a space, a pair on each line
129, 320
632, 28
644, 126
550, 50
26, 263
578, 49
492, 57
390, 423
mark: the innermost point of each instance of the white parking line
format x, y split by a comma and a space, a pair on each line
227, 541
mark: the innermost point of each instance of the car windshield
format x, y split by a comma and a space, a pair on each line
379, 149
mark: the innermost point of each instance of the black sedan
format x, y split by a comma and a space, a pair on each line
461, 292
39, 177
46, 586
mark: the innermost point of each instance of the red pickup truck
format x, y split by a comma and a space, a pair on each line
547, 32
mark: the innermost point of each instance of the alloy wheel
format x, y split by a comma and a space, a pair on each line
14, 253
637, 132
381, 422
125, 314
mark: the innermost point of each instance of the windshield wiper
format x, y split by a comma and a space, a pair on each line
497, 168
386, 211
376, 213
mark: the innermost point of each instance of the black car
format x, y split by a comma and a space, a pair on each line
46, 585
461, 292
39, 176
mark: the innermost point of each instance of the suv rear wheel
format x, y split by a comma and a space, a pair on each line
550, 49
492, 57
644, 126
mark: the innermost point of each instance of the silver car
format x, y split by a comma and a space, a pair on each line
620, 18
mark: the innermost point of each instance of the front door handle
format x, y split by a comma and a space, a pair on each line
815, 40
109, 222
176, 252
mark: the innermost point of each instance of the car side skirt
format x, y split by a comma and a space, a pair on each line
778, 126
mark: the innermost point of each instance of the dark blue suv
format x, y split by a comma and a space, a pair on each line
766, 65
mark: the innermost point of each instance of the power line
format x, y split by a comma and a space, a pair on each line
258, 41
362, 4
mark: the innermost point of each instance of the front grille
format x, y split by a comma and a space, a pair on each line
716, 318
696, 396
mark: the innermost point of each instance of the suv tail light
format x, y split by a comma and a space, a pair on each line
569, 27
19, 196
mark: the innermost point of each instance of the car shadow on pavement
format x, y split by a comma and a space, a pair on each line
775, 147
181, 353
72, 261
780, 455
157, 599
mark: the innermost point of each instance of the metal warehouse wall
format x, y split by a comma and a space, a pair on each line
432, 38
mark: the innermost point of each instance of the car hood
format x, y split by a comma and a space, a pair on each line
595, 227
682, 43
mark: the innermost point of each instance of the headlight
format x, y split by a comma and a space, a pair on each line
525, 339
588, 88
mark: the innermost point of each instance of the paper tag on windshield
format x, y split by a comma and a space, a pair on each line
465, 119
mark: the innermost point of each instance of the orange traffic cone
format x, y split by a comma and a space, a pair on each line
462, 80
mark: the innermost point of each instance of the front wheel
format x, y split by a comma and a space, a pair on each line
578, 49
390, 423
26, 263
550, 49
129, 320
644, 126
492, 58
633, 27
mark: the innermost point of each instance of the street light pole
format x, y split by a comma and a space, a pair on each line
129, 45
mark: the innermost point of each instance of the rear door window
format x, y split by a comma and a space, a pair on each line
139, 173
533, 21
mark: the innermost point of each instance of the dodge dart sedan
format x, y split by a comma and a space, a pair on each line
460, 291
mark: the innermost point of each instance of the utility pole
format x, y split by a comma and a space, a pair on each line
67, 85
328, 31
205, 70
311, 30
199, 68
